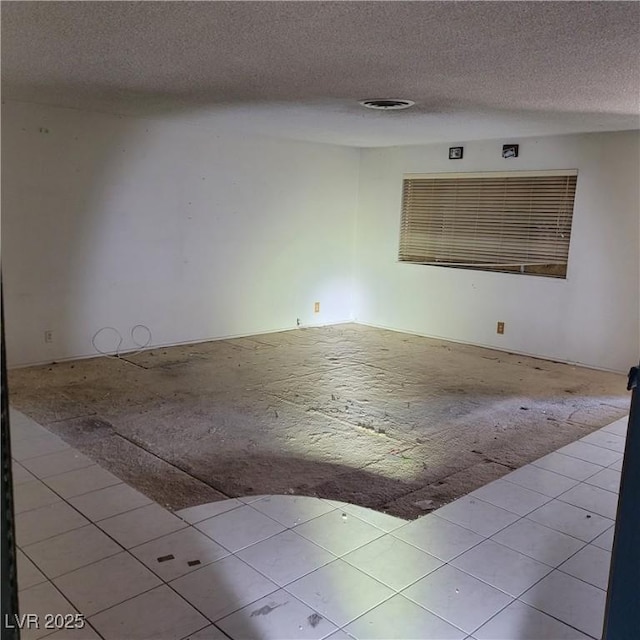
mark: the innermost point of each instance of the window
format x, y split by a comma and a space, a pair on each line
516, 222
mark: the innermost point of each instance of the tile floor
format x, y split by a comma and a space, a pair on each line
525, 557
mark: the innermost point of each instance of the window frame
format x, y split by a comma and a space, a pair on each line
521, 268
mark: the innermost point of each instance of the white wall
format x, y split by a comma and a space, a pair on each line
196, 233
589, 318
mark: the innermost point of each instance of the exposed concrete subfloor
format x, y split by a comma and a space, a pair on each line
381, 419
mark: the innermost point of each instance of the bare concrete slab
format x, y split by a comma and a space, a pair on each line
382, 419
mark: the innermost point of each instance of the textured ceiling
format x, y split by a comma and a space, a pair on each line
297, 69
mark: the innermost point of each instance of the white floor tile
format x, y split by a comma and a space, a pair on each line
574, 521
28, 574
619, 427
208, 510
401, 619
22, 450
607, 479
141, 525
339, 592
56, 463
223, 587
19, 474
179, 553
32, 495
511, 497
341, 634
105, 583
449, 601
83, 632
522, 622
40, 600
606, 440
292, 510
157, 614
538, 542
251, 499
605, 540
276, 617
71, 550
378, 519
593, 499
208, 633
567, 466
393, 562
336, 504
79, 481
19, 418
46, 522
285, 557
501, 567
570, 600
458, 598
339, 532
590, 564
538, 479
590, 453
239, 528
438, 537
110, 501
23, 427
476, 515
616, 466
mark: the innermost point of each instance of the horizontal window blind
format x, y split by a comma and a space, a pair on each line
514, 222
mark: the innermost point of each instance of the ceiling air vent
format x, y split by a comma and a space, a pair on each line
388, 104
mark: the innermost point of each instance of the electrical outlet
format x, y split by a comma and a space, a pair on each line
500, 328
316, 307
48, 336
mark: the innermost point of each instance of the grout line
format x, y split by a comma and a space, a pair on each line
576, 577
551, 567
85, 618
564, 475
434, 513
535, 609
298, 523
335, 508
120, 513
186, 525
43, 478
569, 455
117, 604
230, 612
193, 524
66, 573
544, 495
393, 594
211, 624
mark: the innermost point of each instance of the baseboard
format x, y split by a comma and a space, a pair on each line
316, 326
163, 345
537, 356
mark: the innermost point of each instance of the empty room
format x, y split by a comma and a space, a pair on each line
318, 317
